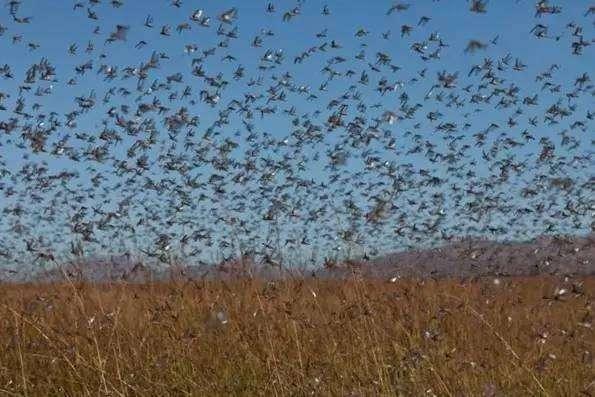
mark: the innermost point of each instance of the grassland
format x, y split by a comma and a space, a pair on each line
355, 337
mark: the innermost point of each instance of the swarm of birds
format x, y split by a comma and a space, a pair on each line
199, 135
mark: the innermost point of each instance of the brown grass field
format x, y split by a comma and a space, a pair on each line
320, 337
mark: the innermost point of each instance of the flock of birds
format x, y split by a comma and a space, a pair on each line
196, 138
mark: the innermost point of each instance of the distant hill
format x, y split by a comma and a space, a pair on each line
123, 268
467, 258
470, 258
111, 269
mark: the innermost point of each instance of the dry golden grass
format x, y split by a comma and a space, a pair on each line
299, 337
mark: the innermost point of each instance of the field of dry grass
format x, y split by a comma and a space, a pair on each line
356, 337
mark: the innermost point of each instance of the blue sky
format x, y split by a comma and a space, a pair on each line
55, 26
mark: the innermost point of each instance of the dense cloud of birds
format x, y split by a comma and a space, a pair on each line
188, 135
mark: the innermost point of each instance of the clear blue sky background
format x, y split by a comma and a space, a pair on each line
55, 26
